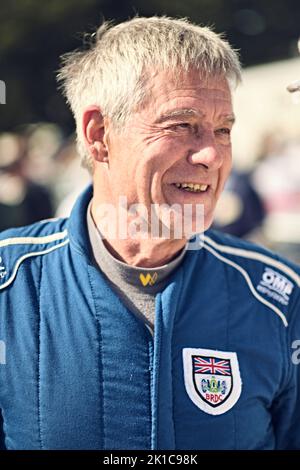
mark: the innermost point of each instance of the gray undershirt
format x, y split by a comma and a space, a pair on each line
126, 280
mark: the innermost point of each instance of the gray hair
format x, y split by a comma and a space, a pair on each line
114, 72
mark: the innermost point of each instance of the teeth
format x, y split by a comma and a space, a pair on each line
192, 187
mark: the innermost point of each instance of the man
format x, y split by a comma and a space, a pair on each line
119, 333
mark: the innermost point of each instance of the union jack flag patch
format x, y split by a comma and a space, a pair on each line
212, 379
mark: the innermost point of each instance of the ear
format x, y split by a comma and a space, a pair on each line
94, 132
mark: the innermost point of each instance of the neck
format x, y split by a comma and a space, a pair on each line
139, 251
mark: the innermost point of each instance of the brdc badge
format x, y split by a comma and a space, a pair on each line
212, 379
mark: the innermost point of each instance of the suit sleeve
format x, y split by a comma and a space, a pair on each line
286, 407
2, 444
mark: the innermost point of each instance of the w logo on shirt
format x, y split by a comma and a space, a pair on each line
148, 279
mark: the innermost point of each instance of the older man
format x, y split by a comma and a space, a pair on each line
119, 333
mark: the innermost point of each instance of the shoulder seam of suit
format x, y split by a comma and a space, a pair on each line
255, 255
30, 255
249, 283
42, 240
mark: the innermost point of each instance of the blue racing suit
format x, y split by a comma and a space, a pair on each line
78, 370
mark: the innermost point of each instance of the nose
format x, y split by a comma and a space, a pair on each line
205, 152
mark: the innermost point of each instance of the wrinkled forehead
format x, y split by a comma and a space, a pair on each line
174, 77
166, 88
192, 82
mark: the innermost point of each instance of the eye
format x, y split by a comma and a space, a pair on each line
184, 125
181, 126
223, 131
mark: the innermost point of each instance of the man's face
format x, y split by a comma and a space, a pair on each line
181, 136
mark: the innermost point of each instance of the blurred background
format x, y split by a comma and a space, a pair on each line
40, 173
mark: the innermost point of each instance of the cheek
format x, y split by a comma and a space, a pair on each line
169, 144
227, 162
224, 171
171, 154
228, 165
159, 159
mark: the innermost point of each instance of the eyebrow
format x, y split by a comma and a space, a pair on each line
230, 118
177, 114
181, 113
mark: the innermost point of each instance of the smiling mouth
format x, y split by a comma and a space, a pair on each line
192, 187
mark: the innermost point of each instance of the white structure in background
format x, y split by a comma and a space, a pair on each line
263, 106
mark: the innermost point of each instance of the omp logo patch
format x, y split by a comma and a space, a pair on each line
3, 271
148, 279
275, 285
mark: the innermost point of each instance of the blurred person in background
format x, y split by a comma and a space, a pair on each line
139, 341
240, 210
276, 178
71, 179
43, 141
22, 201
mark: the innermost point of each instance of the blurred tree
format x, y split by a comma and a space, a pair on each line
34, 34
